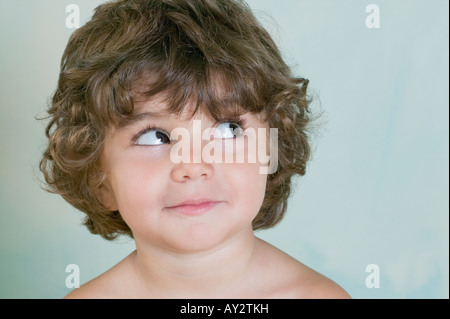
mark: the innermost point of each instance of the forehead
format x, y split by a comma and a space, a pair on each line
184, 109
159, 108
156, 95
218, 91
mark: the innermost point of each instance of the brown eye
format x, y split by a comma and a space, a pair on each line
229, 129
153, 137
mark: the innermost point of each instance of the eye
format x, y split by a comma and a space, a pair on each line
230, 129
152, 136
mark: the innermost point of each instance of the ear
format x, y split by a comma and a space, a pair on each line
106, 196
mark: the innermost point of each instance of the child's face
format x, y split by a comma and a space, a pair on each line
147, 185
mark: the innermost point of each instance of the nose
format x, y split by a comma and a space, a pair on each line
190, 166
183, 172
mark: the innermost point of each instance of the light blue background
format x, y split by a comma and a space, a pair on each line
376, 190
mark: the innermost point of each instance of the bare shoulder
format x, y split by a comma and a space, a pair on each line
317, 286
94, 289
110, 284
296, 280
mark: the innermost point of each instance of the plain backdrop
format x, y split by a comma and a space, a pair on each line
376, 190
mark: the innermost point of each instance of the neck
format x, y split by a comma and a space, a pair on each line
216, 271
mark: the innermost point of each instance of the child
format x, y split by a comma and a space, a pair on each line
138, 83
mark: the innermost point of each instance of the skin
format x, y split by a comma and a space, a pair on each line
211, 255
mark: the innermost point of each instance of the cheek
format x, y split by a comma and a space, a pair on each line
247, 181
248, 187
137, 186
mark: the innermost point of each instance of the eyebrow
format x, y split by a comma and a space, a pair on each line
138, 117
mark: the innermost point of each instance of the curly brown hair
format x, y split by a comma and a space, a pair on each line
142, 48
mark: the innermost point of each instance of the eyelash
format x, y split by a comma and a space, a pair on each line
239, 121
145, 130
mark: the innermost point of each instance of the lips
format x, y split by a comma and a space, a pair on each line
194, 207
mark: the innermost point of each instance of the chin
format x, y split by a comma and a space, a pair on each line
200, 237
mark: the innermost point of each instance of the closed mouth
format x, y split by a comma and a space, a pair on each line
194, 207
